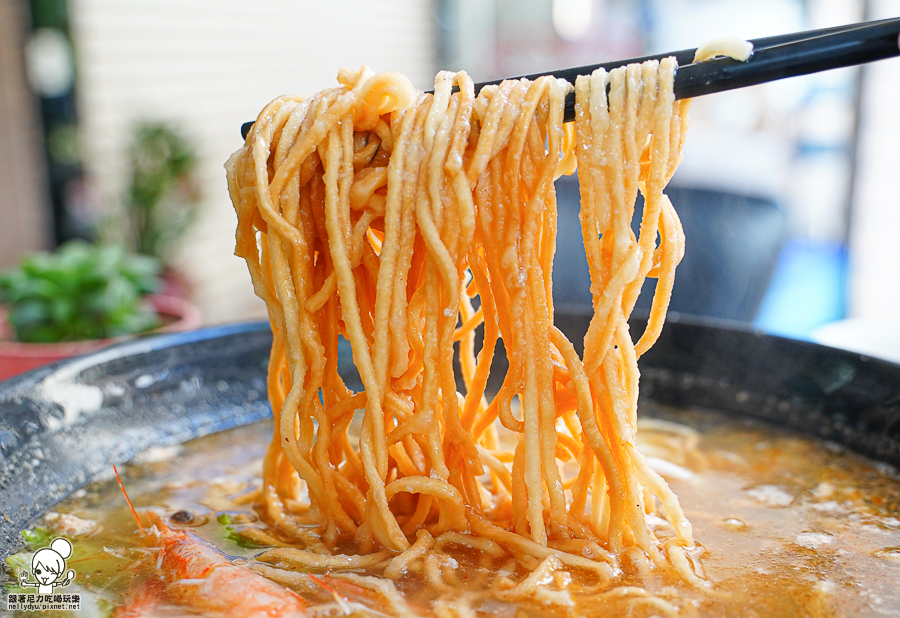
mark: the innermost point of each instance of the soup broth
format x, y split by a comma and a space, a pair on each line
787, 526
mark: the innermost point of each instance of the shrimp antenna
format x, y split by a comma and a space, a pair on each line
127, 499
340, 599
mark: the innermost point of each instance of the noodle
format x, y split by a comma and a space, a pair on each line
378, 213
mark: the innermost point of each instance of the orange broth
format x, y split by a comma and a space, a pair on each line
788, 526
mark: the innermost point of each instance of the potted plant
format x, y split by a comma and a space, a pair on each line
162, 196
78, 299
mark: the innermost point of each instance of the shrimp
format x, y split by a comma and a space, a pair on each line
143, 601
198, 576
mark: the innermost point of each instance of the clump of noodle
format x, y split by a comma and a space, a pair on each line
378, 213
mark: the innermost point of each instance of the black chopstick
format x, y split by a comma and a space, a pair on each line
850, 47
686, 56
779, 57
774, 58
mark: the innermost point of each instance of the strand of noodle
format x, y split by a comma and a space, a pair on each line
637, 596
673, 249
592, 434
466, 339
534, 451
398, 605
617, 238
428, 225
626, 520
578, 505
455, 606
518, 543
496, 467
423, 510
680, 561
433, 572
288, 557
655, 483
384, 525
311, 406
287, 524
401, 563
486, 354
546, 466
392, 259
485, 546
582, 547
535, 586
297, 364
291, 127
659, 150
471, 321
322, 126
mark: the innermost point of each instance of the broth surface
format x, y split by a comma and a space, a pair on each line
790, 527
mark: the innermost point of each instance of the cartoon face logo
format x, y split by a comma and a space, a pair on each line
48, 566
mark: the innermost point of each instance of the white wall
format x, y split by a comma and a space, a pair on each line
874, 239
210, 65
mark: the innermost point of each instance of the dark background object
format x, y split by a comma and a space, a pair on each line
734, 244
59, 118
62, 425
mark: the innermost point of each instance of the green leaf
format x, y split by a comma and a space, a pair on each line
163, 192
64, 310
242, 541
82, 291
15, 564
18, 562
38, 537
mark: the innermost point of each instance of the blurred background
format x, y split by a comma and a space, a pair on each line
116, 117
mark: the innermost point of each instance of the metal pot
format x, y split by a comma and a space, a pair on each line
62, 424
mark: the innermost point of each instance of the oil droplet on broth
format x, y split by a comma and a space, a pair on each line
732, 523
